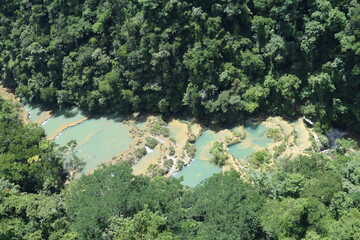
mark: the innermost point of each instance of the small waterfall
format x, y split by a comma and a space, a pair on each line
148, 150
333, 135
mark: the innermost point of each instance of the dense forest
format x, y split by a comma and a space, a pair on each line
310, 197
216, 59
219, 60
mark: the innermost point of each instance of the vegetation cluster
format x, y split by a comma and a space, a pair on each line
219, 60
309, 197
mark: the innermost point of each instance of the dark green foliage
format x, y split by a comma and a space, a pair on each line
171, 150
114, 191
226, 208
26, 157
190, 149
139, 153
217, 60
151, 142
279, 150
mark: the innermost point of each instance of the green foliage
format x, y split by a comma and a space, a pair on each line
32, 216
171, 150
346, 144
151, 142
159, 127
274, 134
143, 225
27, 159
279, 150
216, 60
140, 152
218, 155
260, 157
190, 149
114, 191
226, 206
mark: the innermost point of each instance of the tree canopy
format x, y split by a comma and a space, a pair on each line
219, 59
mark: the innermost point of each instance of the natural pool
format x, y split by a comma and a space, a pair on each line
255, 140
61, 120
36, 114
98, 139
199, 169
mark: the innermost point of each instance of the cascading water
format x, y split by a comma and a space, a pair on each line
335, 134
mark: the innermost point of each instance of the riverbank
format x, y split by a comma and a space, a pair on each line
8, 95
175, 140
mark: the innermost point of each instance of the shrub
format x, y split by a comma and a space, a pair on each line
151, 142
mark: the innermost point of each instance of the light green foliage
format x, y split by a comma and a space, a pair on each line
143, 225
218, 155
31, 216
159, 127
274, 134
282, 219
260, 157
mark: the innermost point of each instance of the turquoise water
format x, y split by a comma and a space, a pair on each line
200, 169
35, 112
241, 152
255, 139
61, 120
98, 140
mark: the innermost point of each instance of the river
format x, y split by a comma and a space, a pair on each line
100, 139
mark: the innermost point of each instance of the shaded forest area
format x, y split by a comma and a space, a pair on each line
218, 59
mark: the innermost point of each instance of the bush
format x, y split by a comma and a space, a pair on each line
219, 157
168, 163
260, 157
190, 149
160, 128
274, 134
140, 152
171, 151
279, 149
151, 142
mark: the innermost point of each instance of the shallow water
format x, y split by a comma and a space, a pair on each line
61, 120
199, 169
35, 112
255, 140
98, 140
